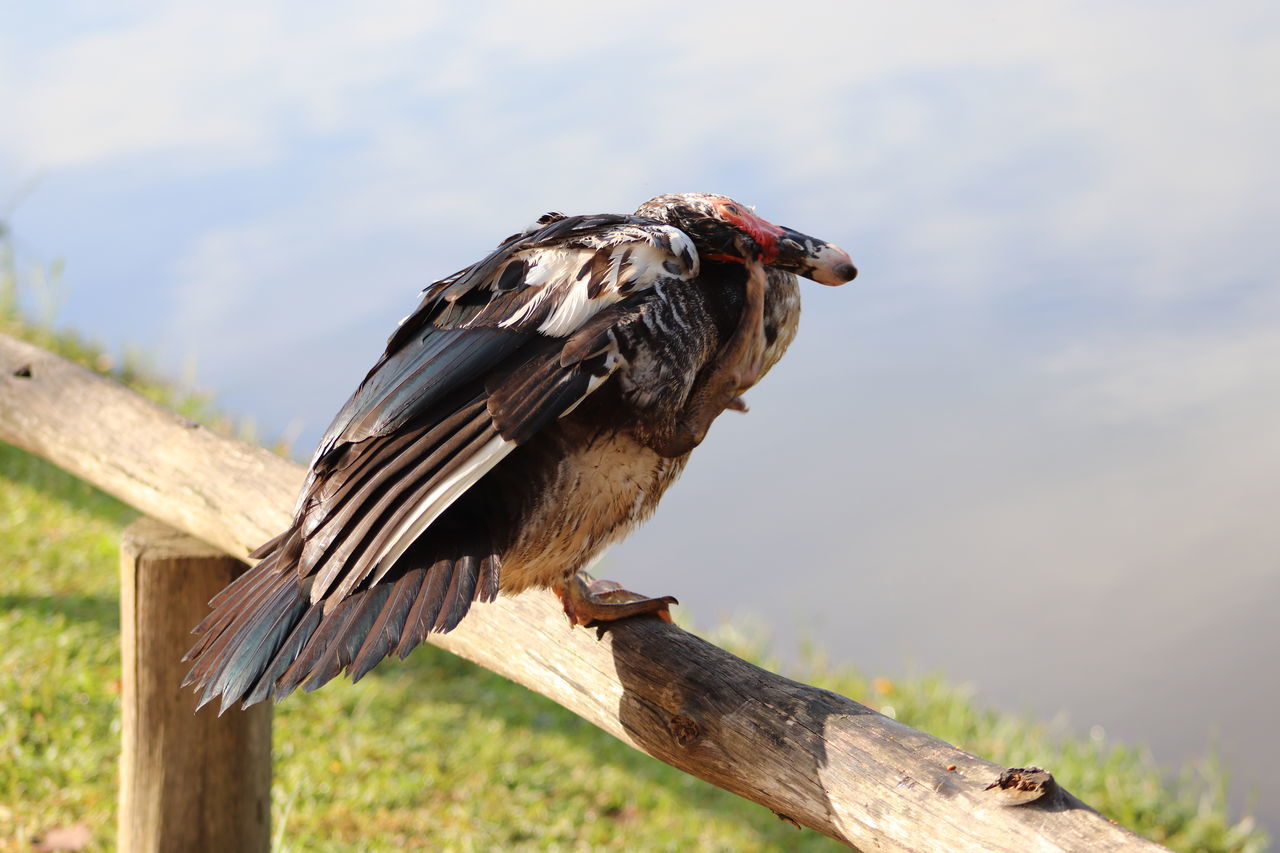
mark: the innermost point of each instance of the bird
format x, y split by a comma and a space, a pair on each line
531, 411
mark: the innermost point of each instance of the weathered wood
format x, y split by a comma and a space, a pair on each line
189, 781
820, 759
171, 468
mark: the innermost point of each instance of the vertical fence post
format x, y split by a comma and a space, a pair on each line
188, 781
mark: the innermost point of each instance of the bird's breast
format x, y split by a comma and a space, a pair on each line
598, 485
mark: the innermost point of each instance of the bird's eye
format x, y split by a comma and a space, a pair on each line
731, 209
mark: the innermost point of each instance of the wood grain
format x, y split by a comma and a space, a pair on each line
191, 782
810, 755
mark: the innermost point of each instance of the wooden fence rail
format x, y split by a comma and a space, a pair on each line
817, 758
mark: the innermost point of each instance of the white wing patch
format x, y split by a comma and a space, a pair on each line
549, 270
639, 257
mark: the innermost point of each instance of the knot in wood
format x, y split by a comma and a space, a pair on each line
1019, 785
684, 729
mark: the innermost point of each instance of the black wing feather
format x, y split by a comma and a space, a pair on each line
264, 686
414, 380
388, 628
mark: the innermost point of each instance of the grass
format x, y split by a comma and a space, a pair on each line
436, 753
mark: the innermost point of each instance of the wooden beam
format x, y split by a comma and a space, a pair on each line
810, 755
188, 781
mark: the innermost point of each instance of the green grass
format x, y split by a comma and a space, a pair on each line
436, 753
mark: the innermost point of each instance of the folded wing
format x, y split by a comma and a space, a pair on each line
492, 355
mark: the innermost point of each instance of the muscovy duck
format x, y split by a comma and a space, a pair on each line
530, 412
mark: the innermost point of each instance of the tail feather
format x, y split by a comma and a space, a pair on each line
266, 684
386, 631
422, 615
265, 638
229, 601
338, 650
256, 643
244, 632
313, 649
487, 583
457, 599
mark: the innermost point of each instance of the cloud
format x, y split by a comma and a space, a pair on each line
1167, 376
225, 85
918, 110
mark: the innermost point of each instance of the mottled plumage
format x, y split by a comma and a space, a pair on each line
532, 410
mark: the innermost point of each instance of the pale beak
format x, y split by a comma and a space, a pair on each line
812, 258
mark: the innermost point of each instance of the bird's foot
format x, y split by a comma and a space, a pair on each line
587, 600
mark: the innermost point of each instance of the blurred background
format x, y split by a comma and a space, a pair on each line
1034, 447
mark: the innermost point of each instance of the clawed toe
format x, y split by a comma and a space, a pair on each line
587, 600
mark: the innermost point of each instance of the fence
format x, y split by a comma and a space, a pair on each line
813, 757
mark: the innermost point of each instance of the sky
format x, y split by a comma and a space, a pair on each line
1035, 446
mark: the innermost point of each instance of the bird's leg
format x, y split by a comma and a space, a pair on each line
736, 368
587, 600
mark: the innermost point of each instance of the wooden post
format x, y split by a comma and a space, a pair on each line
188, 781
